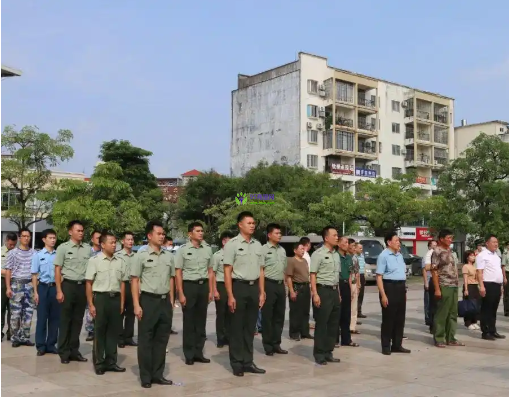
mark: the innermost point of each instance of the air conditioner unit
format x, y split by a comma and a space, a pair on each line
322, 109
310, 125
321, 93
403, 152
436, 162
404, 104
319, 126
321, 87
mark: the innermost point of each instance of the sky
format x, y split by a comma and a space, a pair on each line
160, 73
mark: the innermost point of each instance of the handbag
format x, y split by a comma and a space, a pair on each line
466, 307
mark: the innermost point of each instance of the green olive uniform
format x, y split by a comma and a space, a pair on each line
246, 260
326, 265
154, 269
222, 312
273, 311
107, 276
73, 259
194, 262
128, 317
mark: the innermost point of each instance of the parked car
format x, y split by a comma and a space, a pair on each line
414, 262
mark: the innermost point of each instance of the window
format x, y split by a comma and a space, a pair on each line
312, 161
9, 198
313, 136
344, 92
395, 107
312, 86
396, 150
344, 141
379, 147
395, 128
327, 140
396, 172
312, 111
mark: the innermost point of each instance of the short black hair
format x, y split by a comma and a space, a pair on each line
304, 240
47, 232
389, 236
244, 214
11, 236
351, 241
444, 233
297, 245
96, 231
325, 231
71, 224
104, 236
169, 239
467, 254
272, 226
24, 229
127, 233
489, 237
151, 225
192, 225
430, 242
226, 234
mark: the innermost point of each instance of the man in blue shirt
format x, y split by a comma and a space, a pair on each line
45, 294
391, 280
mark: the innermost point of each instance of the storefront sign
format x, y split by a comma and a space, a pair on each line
344, 169
421, 179
407, 233
423, 234
365, 172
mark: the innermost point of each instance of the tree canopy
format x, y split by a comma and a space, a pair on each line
26, 174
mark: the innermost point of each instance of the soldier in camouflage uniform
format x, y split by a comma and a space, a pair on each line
445, 279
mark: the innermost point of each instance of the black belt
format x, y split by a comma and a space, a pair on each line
294, 283
250, 282
127, 281
327, 286
274, 281
394, 281
47, 284
110, 294
21, 280
199, 281
220, 282
160, 296
78, 282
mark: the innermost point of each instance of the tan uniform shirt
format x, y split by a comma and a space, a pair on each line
106, 273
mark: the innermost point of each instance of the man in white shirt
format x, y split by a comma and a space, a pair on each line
426, 275
306, 242
491, 279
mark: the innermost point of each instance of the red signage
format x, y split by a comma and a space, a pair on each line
421, 179
423, 234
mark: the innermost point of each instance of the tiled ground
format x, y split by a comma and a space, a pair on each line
479, 369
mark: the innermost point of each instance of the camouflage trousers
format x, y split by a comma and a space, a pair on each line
22, 309
89, 321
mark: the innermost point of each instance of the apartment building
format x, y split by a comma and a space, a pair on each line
353, 126
466, 133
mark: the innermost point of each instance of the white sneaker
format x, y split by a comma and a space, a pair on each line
472, 327
477, 326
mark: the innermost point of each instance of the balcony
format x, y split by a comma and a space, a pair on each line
440, 161
441, 136
422, 160
368, 103
423, 137
344, 122
440, 118
367, 150
366, 127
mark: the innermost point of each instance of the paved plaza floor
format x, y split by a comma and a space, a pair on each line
479, 369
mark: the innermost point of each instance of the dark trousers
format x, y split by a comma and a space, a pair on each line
222, 315
5, 308
48, 318
128, 317
195, 317
326, 322
243, 323
489, 307
361, 294
506, 297
432, 304
107, 326
473, 294
393, 316
273, 315
71, 319
345, 315
299, 311
154, 330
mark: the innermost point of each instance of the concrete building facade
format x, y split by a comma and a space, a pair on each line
330, 120
466, 133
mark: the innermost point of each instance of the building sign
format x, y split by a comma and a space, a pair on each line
365, 172
407, 233
421, 179
423, 234
344, 169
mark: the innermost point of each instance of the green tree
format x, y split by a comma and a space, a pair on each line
105, 202
385, 205
477, 185
135, 165
26, 176
279, 211
333, 210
